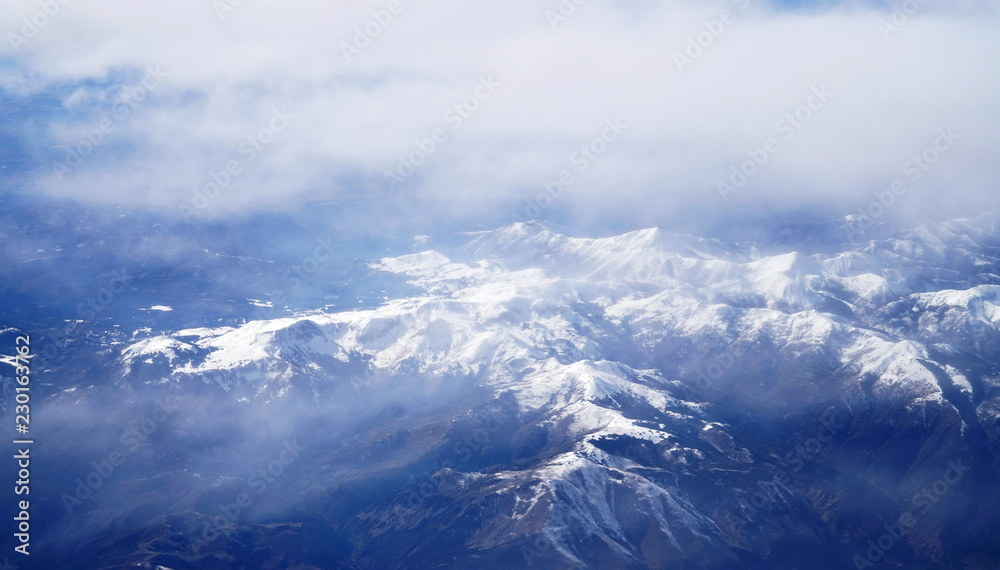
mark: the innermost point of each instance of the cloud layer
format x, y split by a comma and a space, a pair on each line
210, 108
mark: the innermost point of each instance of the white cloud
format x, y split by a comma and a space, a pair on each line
354, 119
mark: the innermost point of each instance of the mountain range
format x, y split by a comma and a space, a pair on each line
534, 399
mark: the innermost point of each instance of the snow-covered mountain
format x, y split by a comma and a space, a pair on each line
647, 400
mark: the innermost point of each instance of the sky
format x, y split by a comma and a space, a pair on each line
211, 108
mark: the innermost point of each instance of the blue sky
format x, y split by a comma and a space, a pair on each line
535, 85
